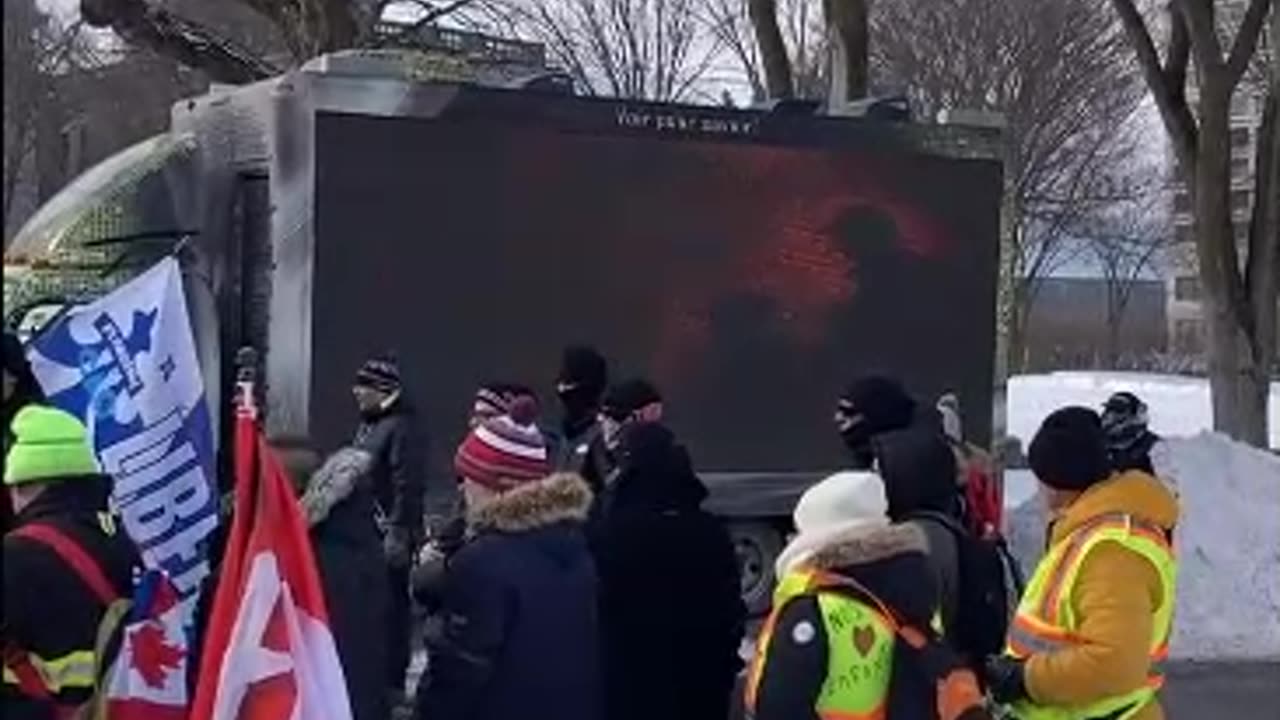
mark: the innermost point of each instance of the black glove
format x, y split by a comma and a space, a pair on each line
1005, 678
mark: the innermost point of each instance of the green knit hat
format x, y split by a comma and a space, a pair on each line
49, 444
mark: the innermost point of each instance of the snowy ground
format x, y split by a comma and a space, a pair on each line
1178, 406
1228, 541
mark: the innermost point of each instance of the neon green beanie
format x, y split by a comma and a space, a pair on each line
49, 444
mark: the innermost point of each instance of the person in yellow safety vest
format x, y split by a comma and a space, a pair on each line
1092, 630
849, 637
65, 561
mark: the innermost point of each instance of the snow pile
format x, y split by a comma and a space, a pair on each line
1177, 406
1228, 545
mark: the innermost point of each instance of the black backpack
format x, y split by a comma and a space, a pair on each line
990, 583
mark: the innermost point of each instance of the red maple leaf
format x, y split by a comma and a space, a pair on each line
153, 658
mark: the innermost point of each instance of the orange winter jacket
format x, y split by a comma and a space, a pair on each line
1114, 597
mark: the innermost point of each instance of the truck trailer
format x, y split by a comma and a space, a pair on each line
749, 262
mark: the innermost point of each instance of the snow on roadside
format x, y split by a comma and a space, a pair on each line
1228, 544
1177, 406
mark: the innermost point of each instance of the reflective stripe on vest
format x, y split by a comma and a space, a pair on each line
73, 670
860, 639
1045, 621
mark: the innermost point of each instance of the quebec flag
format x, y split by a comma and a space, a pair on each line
126, 365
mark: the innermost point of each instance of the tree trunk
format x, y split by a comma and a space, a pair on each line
1239, 387
778, 79
847, 27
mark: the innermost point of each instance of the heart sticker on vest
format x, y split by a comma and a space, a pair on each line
864, 638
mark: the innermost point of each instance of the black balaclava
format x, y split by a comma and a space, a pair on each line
584, 374
870, 406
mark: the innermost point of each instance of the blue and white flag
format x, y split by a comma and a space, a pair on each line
126, 365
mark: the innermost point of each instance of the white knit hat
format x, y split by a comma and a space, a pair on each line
841, 504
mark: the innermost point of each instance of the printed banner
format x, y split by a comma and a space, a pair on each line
126, 364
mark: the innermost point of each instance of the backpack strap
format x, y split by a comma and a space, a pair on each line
80, 562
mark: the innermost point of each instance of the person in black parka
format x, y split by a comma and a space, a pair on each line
389, 432
338, 504
671, 612
518, 635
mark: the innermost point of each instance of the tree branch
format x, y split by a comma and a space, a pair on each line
1247, 38
191, 44
1170, 100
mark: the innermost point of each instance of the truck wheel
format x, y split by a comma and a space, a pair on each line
757, 545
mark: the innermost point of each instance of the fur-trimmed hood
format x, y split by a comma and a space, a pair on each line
554, 499
866, 545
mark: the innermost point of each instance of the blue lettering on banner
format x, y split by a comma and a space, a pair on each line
126, 365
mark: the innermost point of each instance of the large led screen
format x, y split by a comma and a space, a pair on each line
750, 280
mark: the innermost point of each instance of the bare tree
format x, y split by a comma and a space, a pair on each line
645, 49
1059, 73
1127, 242
801, 30
845, 44
238, 41
37, 50
1239, 285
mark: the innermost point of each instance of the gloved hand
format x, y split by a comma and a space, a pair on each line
1006, 678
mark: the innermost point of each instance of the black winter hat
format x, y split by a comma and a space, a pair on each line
380, 373
584, 369
1069, 451
628, 398
919, 471
873, 405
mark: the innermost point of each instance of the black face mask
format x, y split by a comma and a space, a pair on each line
580, 403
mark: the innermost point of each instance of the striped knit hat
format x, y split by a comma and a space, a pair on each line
505, 451
380, 373
495, 399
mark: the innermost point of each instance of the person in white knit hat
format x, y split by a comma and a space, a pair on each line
852, 612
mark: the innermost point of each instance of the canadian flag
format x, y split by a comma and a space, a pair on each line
268, 652
149, 678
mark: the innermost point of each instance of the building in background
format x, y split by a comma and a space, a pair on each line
1069, 326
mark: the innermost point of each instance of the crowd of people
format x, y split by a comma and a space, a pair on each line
580, 578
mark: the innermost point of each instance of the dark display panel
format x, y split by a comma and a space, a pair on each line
751, 281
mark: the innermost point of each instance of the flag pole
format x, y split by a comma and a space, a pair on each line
246, 382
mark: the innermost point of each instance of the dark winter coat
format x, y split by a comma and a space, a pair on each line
670, 606
889, 563
399, 450
919, 472
49, 611
519, 634
577, 446
339, 507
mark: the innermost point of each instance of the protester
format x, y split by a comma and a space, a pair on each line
338, 504
870, 406
1094, 624
65, 562
20, 390
975, 471
1129, 441
850, 632
576, 444
388, 432
919, 471
519, 636
671, 613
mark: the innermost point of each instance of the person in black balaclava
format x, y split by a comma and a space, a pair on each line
1129, 442
872, 405
577, 444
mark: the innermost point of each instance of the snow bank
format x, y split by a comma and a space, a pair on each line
1177, 405
1228, 545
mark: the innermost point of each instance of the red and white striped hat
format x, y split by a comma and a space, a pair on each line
506, 451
